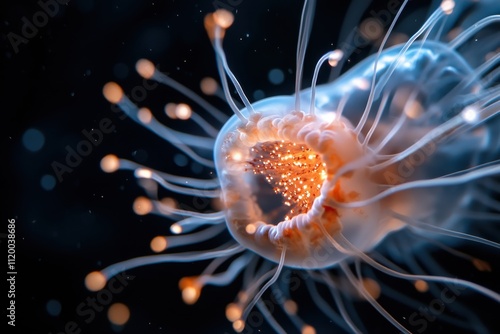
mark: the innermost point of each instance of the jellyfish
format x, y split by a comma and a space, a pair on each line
342, 182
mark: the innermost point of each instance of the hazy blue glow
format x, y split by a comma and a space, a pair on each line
33, 140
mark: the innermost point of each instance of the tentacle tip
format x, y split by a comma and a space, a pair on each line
145, 68
176, 228
223, 18
291, 307
110, 163
233, 312
421, 286
308, 329
481, 265
334, 57
209, 86
447, 6
239, 326
191, 289
216, 23
95, 281
118, 314
112, 92
142, 206
145, 115
159, 244
143, 173
183, 111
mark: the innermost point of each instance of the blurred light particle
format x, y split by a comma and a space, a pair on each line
259, 95
53, 307
33, 140
180, 160
48, 182
276, 76
118, 314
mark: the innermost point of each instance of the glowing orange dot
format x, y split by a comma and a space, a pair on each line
143, 173
239, 325
112, 92
233, 312
142, 206
223, 18
183, 111
110, 163
209, 86
290, 307
481, 265
176, 228
371, 29
169, 203
372, 287
158, 244
335, 57
447, 6
308, 329
191, 290
397, 38
250, 228
170, 110
118, 314
210, 26
421, 286
236, 155
95, 281
145, 68
144, 115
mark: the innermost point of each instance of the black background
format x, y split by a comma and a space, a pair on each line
54, 82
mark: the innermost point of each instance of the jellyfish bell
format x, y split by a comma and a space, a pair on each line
274, 190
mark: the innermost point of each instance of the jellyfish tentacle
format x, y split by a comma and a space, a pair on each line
341, 243
305, 28
464, 36
188, 239
271, 281
338, 301
356, 283
147, 70
444, 231
186, 257
323, 306
372, 95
